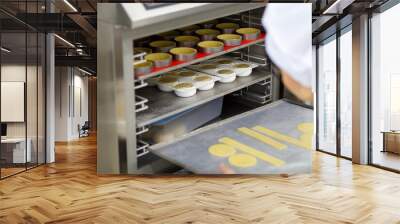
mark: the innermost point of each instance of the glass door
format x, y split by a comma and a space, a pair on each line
327, 96
14, 153
385, 89
22, 98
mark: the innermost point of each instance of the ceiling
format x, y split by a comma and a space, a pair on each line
326, 21
76, 20
72, 20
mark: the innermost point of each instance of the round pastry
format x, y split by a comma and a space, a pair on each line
143, 68
242, 160
225, 72
226, 75
138, 50
221, 150
209, 24
159, 59
230, 39
185, 89
210, 47
186, 75
207, 34
228, 27
208, 67
249, 33
169, 35
187, 41
166, 83
189, 30
242, 69
203, 78
167, 79
204, 82
162, 46
184, 53
225, 62
184, 85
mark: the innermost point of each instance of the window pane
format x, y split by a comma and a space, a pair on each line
13, 89
346, 94
327, 97
31, 98
386, 89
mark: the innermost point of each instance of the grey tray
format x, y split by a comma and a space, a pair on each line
191, 151
162, 105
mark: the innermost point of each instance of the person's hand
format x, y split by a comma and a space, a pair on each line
303, 93
224, 169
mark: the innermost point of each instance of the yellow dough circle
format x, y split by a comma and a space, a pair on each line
306, 138
221, 150
242, 160
306, 127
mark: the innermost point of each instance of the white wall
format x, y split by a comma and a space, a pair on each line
34, 125
62, 82
79, 117
13, 100
70, 81
16, 73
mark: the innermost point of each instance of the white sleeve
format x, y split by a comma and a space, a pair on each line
289, 39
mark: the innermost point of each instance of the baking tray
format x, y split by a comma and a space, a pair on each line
200, 57
191, 151
162, 104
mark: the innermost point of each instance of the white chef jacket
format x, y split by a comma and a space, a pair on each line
289, 39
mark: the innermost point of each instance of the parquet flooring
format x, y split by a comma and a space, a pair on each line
69, 191
10, 171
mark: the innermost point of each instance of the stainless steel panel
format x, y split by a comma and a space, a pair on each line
338, 6
261, 89
146, 23
116, 104
117, 28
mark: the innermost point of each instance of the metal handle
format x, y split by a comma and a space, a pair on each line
140, 84
140, 104
142, 148
141, 130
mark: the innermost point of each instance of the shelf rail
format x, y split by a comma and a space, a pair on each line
141, 130
140, 104
140, 84
142, 148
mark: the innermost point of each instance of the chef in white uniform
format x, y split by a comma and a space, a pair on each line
288, 44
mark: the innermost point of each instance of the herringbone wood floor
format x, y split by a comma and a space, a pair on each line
69, 191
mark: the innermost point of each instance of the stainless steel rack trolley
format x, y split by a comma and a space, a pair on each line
127, 107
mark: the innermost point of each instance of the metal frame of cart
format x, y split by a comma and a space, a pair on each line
118, 25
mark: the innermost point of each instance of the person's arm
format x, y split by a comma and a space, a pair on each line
303, 93
288, 44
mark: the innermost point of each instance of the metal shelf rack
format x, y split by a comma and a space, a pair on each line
120, 93
162, 105
200, 57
